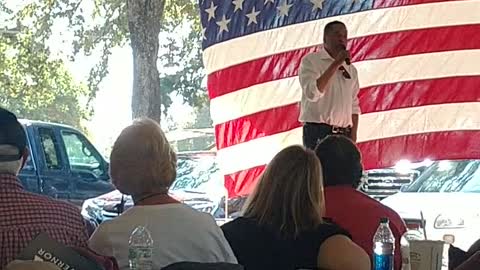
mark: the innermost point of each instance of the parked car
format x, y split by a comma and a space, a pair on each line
63, 164
199, 184
444, 201
381, 183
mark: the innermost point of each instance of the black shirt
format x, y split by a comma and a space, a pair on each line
263, 248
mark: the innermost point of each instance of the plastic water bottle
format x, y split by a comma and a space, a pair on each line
140, 249
405, 249
383, 247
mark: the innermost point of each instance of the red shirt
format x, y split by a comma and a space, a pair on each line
23, 215
360, 215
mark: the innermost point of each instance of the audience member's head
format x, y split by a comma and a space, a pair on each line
341, 161
289, 194
142, 160
13, 143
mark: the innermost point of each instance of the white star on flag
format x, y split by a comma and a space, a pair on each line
284, 9
238, 4
268, 1
204, 31
252, 16
223, 24
317, 4
211, 11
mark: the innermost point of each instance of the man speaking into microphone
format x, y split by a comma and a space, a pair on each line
330, 88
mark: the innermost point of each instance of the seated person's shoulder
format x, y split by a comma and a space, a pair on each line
191, 213
62, 210
340, 252
329, 228
53, 205
239, 225
66, 207
380, 210
244, 230
389, 212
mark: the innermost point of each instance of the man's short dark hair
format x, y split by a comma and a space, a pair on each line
11, 133
328, 28
341, 161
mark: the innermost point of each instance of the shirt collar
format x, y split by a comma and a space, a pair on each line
9, 182
324, 54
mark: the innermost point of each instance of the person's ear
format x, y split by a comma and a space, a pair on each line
25, 154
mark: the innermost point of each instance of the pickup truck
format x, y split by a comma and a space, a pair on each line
63, 164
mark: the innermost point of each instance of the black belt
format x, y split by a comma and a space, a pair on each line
334, 129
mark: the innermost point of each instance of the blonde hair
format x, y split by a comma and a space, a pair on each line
142, 160
289, 195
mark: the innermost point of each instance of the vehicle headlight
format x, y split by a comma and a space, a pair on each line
449, 222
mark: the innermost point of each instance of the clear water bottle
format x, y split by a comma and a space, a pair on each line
405, 249
140, 249
383, 247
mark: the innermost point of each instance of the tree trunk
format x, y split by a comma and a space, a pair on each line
144, 20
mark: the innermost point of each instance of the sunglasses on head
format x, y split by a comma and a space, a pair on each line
345, 73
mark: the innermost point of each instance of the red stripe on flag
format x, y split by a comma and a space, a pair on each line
242, 182
372, 99
257, 125
397, 3
419, 93
278, 66
284, 65
385, 153
435, 146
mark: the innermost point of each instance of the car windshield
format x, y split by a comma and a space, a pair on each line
448, 176
199, 172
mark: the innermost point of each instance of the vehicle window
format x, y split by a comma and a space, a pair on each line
81, 154
28, 164
51, 150
449, 176
200, 172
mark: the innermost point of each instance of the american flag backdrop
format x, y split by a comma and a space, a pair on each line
419, 71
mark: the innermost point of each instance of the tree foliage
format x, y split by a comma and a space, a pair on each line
37, 81
100, 25
184, 57
34, 86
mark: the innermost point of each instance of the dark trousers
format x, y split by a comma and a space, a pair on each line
313, 133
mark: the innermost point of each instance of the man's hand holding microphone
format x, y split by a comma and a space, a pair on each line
342, 55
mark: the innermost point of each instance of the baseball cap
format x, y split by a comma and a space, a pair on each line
11, 133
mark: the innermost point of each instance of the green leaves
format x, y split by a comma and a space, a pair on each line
36, 87
97, 26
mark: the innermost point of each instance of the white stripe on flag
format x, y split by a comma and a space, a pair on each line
360, 24
433, 118
281, 92
257, 98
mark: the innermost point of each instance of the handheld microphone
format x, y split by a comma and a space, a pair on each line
347, 60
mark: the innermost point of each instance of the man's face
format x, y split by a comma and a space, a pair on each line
336, 37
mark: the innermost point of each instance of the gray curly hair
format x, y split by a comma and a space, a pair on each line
142, 160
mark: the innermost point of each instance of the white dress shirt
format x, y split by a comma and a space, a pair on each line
179, 233
338, 102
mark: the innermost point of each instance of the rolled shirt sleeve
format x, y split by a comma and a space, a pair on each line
308, 75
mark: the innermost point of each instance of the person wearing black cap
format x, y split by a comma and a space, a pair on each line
13, 150
348, 207
23, 215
